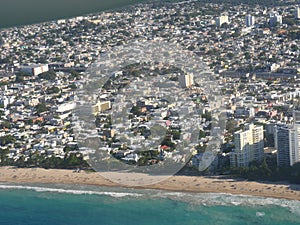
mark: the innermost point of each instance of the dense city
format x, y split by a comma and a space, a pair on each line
252, 51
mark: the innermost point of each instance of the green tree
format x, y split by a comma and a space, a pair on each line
53, 90
207, 116
202, 134
73, 161
49, 75
4, 140
41, 107
74, 75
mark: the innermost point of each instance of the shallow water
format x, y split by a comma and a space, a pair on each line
63, 204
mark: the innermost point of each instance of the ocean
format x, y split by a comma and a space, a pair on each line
88, 205
23, 12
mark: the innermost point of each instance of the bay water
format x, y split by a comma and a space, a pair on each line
24, 12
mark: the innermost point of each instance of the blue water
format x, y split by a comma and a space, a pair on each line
87, 205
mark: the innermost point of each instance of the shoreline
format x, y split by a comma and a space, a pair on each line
177, 183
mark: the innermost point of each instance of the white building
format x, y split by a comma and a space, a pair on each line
250, 20
249, 146
35, 69
221, 20
66, 107
287, 142
297, 13
186, 80
4, 101
275, 18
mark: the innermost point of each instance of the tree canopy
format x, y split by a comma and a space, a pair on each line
49, 75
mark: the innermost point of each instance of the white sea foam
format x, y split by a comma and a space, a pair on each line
260, 214
205, 199
69, 191
224, 199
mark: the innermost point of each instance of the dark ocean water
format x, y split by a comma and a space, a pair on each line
23, 12
86, 205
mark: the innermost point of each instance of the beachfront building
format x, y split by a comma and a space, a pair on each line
283, 138
249, 146
287, 142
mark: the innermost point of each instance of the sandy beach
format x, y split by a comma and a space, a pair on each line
172, 183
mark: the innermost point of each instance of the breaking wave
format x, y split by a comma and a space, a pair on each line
204, 199
70, 191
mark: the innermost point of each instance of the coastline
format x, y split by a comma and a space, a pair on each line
192, 184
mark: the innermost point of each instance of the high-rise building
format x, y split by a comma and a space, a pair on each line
221, 20
297, 13
249, 146
250, 20
275, 18
258, 143
282, 144
287, 142
296, 117
186, 80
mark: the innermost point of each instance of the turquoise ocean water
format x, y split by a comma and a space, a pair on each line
88, 205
